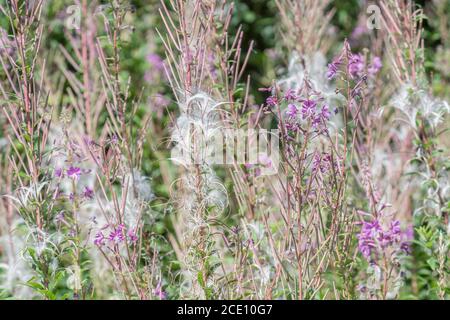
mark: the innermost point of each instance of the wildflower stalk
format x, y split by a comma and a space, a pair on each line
25, 111
424, 113
192, 37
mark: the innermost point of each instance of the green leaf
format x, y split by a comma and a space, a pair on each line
433, 263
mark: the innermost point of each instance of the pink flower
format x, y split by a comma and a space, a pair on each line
272, 101
333, 69
132, 236
59, 173
156, 70
373, 239
292, 110
74, 173
290, 95
356, 65
88, 193
117, 235
158, 291
325, 113
308, 108
99, 239
156, 61
321, 162
375, 67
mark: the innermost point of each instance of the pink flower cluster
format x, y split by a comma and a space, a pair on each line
116, 236
157, 68
356, 66
374, 238
309, 110
75, 173
322, 162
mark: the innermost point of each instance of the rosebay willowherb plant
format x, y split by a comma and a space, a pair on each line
28, 116
153, 150
200, 194
423, 114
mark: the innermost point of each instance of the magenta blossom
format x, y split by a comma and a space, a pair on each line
290, 95
321, 163
59, 173
156, 61
374, 238
132, 236
74, 173
156, 70
370, 233
117, 235
158, 291
308, 108
356, 65
272, 101
375, 67
320, 119
406, 239
99, 239
88, 193
292, 110
325, 113
333, 69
